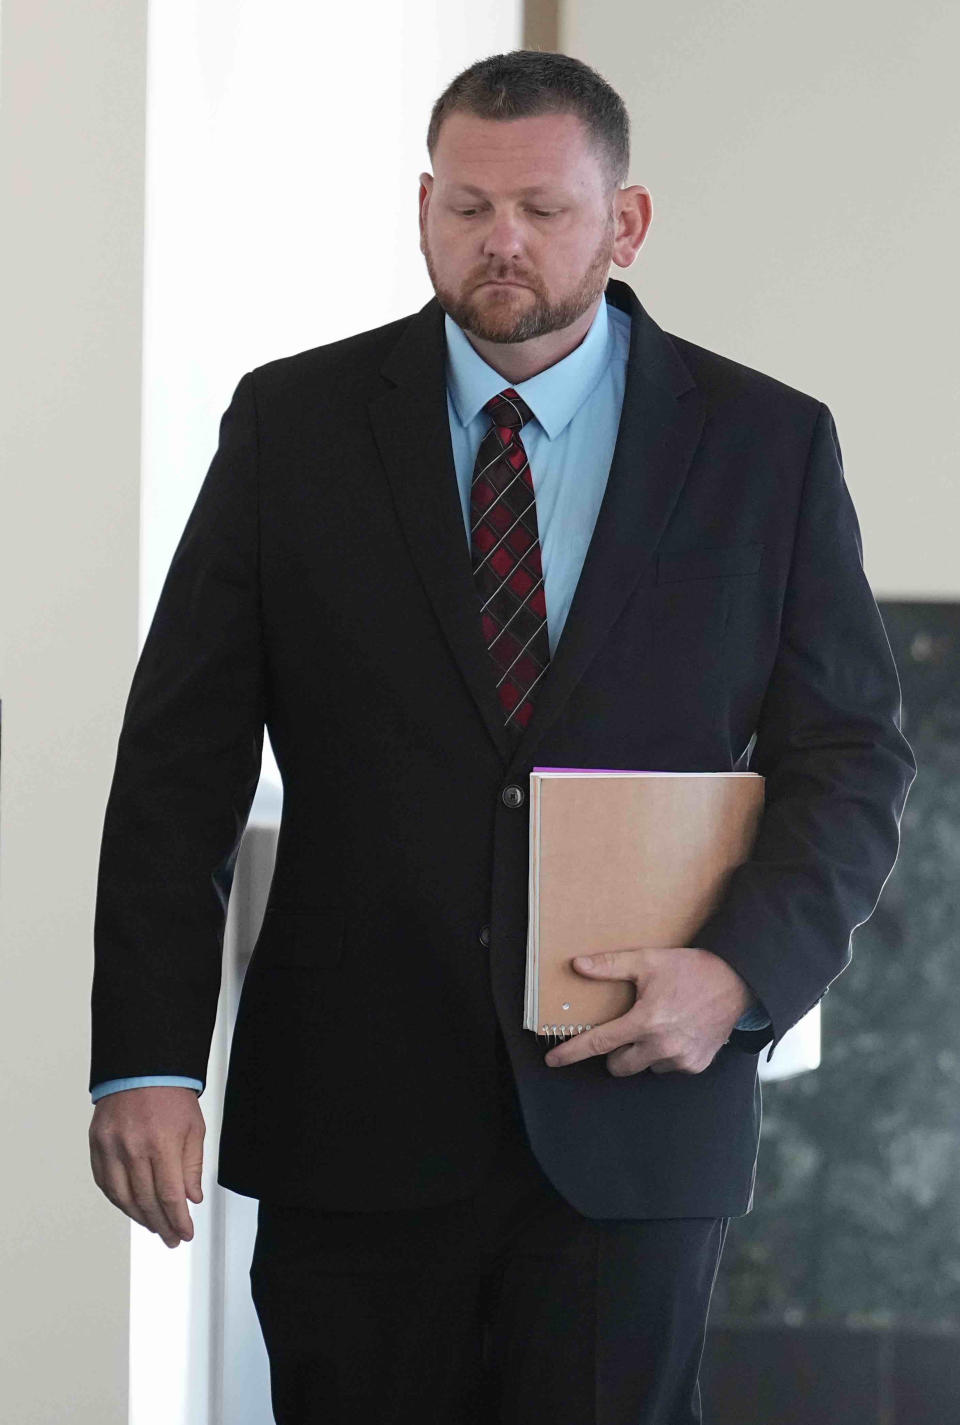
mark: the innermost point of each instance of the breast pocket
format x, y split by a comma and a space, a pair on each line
711, 563
305, 937
691, 605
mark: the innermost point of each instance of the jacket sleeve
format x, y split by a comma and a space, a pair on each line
837, 769
187, 767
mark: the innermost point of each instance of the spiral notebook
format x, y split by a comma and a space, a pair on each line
621, 859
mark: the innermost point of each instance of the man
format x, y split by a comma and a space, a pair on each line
394, 532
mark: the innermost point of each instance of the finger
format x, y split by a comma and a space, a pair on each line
193, 1165
614, 964
112, 1179
600, 1040
168, 1184
633, 1058
648, 1054
682, 1064
140, 1170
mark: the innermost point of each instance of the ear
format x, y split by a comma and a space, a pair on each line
633, 223
423, 195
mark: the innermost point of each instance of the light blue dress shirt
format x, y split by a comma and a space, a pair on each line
569, 443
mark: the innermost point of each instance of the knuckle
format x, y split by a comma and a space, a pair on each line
137, 1153
666, 1028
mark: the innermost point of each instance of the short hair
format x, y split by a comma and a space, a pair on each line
526, 82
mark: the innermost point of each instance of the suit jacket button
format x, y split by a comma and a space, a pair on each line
512, 796
484, 935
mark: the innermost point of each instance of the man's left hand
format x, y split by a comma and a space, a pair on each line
688, 1001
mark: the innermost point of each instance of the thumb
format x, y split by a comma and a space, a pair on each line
192, 1170
604, 962
614, 964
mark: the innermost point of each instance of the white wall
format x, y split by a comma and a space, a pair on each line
284, 146
802, 160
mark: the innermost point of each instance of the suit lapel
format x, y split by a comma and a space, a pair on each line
412, 430
660, 426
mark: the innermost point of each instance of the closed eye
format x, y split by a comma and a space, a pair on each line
467, 212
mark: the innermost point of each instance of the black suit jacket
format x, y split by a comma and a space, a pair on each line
322, 587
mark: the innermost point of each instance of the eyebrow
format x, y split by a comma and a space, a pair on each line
523, 192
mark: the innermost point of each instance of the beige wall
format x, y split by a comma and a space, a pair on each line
71, 194
803, 165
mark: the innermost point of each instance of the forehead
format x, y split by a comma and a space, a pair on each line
519, 157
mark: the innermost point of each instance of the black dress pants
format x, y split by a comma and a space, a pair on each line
506, 1307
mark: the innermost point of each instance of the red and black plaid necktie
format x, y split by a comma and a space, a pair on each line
505, 553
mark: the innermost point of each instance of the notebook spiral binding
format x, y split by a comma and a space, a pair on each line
561, 1031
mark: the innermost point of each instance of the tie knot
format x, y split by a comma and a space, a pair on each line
508, 409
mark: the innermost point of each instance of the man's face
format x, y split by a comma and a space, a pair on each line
519, 200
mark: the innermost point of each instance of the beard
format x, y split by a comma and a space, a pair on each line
511, 316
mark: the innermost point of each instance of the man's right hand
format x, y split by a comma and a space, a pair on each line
146, 1151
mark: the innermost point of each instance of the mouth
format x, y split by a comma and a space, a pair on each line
502, 284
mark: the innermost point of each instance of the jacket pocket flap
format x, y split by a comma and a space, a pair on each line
305, 936
709, 563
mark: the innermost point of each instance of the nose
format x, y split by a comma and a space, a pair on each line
503, 238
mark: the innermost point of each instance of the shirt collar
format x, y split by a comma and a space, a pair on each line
554, 396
